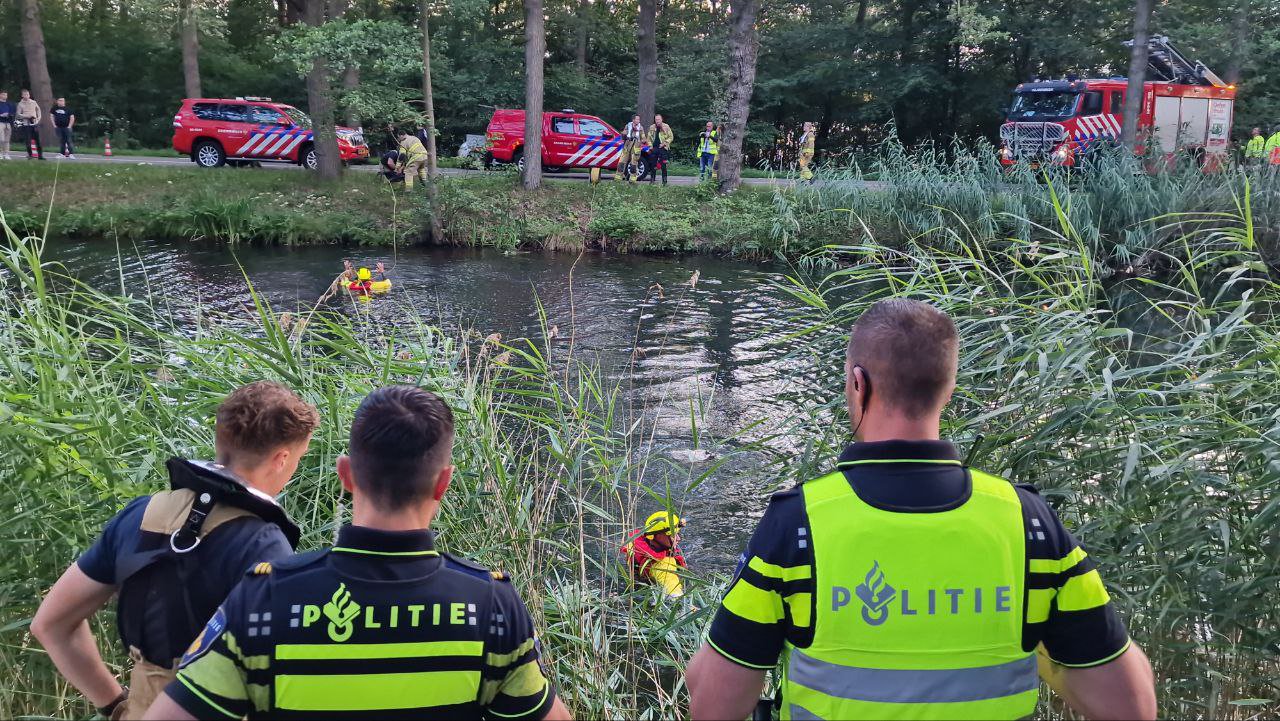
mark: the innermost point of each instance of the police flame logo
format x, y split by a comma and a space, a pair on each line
341, 611
875, 594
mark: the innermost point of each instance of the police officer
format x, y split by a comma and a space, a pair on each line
904, 584
174, 556
1254, 149
808, 140
382, 624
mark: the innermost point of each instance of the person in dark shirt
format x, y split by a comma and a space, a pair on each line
383, 624
903, 584
173, 556
64, 121
7, 110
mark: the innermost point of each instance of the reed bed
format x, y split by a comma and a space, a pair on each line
1147, 411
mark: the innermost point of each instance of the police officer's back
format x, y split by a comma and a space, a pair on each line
383, 624
902, 584
172, 557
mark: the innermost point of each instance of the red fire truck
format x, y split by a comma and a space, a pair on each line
1186, 110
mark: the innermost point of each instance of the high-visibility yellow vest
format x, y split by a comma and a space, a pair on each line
918, 615
709, 144
1256, 147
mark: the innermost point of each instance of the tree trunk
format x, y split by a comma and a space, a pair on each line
190, 48
535, 49
350, 74
293, 11
282, 12
744, 47
38, 69
1137, 73
584, 20
320, 102
1239, 41
647, 50
862, 13
429, 112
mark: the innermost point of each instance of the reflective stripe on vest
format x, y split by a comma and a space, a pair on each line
918, 615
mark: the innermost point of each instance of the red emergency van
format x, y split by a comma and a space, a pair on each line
569, 140
214, 130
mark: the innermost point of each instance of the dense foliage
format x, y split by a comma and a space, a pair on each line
936, 69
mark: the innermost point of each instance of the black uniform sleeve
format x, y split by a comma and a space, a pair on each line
99, 562
770, 599
1068, 607
211, 677
514, 685
267, 544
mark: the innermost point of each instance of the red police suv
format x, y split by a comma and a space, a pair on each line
213, 131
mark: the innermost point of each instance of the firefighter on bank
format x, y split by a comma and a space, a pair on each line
653, 553
1272, 149
413, 157
382, 624
904, 584
708, 149
660, 136
633, 142
173, 556
807, 143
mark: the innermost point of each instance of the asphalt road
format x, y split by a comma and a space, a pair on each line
372, 167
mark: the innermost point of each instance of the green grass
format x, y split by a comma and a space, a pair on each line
1146, 412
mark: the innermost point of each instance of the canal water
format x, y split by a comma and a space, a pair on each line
699, 345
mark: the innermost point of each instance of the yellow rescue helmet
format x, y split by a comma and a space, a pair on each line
663, 522
364, 274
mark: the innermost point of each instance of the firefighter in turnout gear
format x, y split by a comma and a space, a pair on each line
660, 137
383, 624
633, 142
174, 556
807, 142
413, 157
904, 584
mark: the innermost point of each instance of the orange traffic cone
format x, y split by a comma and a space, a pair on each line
107, 149
32, 150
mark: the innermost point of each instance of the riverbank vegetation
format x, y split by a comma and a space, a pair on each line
941, 198
1144, 410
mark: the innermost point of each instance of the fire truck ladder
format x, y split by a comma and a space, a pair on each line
1167, 64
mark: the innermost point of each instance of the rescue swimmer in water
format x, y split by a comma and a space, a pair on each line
361, 282
653, 553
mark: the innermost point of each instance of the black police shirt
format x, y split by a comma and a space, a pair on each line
62, 116
918, 477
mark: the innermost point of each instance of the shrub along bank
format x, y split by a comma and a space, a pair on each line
1128, 221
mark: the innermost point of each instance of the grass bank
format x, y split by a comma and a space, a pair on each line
941, 199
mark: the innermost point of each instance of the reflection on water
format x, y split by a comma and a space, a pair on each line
687, 350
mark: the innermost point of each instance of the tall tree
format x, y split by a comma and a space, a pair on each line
647, 52
350, 73
583, 28
190, 48
1137, 73
535, 49
320, 100
744, 48
429, 114
38, 68
1239, 41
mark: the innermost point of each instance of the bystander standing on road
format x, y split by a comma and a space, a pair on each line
64, 121
28, 120
6, 123
708, 148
